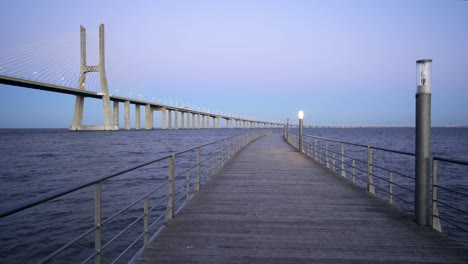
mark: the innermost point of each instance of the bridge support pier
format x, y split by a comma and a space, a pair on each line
116, 113
127, 114
163, 118
148, 117
138, 117
169, 119
182, 120
176, 119
188, 120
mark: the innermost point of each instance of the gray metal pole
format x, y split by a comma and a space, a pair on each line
423, 143
301, 125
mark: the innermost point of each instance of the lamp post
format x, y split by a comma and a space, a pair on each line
301, 125
423, 141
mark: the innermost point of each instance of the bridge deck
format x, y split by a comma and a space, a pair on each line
271, 204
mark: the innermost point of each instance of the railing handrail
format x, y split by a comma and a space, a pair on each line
361, 145
460, 162
23, 205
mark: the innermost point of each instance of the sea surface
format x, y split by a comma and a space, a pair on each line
34, 162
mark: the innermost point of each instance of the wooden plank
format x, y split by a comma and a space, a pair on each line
271, 204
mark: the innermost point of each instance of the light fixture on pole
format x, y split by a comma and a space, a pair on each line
423, 142
301, 125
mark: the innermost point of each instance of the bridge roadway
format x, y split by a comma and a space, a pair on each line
271, 204
13, 81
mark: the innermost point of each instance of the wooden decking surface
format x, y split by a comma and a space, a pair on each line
271, 204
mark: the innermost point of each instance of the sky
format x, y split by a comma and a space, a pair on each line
343, 62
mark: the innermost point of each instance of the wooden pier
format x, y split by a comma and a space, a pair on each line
271, 204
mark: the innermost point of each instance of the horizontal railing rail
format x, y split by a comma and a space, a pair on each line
183, 181
329, 152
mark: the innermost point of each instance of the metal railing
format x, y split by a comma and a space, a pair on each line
453, 201
365, 165
360, 163
156, 206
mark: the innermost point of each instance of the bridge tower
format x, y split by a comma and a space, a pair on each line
101, 69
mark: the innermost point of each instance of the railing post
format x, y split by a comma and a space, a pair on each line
390, 187
343, 172
435, 210
145, 220
187, 187
171, 200
315, 148
213, 163
370, 178
327, 164
354, 171
97, 223
301, 135
197, 181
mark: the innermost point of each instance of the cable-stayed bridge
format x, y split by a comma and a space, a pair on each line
30, 67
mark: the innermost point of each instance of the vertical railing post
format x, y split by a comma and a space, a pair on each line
197, 181
315, 148
213, 163
343, 172
171, 200
435, 210
354, 171
327, 164
370, 178
97, 223
145, 220
187, 186
301, 133
390, 188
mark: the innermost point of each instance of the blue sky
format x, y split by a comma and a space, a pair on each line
344, 62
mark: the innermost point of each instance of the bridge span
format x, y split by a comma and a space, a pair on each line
189, 118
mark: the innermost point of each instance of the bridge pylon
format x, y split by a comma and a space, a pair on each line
101, 69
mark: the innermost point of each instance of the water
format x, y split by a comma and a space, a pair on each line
37, 161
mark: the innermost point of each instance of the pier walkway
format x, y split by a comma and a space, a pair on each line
271, 204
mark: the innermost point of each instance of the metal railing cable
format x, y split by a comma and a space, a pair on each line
209, 159
320, 149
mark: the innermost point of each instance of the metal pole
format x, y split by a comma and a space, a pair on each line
197, 181
370, 176
170, 211
301, 125
145, 219
343, 173
423, 143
